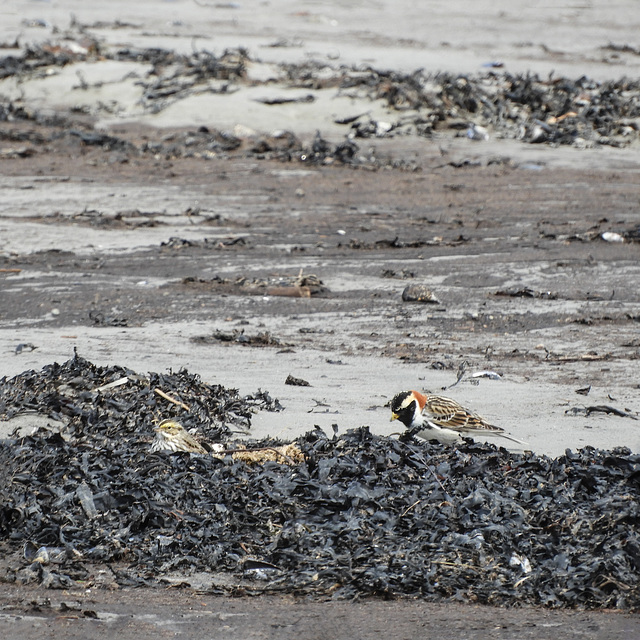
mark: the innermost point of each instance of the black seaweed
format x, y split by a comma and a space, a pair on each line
362, 515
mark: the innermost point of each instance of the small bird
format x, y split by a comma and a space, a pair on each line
172, 436
438, 418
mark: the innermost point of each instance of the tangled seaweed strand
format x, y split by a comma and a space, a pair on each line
363, 515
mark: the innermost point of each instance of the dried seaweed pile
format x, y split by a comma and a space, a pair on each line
117, 403
553, 110
362, 515
556, 110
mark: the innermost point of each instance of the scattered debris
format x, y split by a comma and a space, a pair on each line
45, 555
600, 408
276, 101
403, 274
462, 370
104, 320
367, 127
300, 286
263, 339
585, 357
296, 382
553, 110
107, 142
526, 292
633, 235
24, 346
289, 292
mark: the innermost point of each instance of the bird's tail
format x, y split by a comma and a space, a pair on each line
508, 437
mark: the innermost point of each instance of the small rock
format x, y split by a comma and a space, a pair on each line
419, 293
296, 382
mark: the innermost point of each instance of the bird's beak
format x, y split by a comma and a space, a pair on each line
394, 416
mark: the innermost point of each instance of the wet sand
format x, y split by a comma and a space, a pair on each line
549, 315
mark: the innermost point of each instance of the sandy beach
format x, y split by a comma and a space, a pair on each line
140, 259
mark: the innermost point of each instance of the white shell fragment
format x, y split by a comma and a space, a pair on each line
476, 132
492, 375
517, 560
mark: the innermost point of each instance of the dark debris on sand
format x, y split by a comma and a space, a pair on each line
553, 110
362, 515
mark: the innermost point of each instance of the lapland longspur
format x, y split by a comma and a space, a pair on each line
435, 417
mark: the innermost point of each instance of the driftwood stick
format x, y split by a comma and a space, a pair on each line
166, 396
274, 449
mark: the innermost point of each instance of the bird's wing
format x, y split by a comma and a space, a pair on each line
194, 444
448, 413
